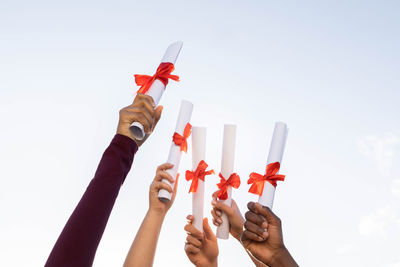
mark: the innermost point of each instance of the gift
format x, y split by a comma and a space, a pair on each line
264, 185
154, 86
229, 179
179, 144
197, 175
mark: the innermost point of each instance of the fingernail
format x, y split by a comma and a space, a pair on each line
219, 220
265, 234
264, 225
260, 238
213, 202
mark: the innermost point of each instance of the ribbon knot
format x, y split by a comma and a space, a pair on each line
199, 173
271, 176
163, 73
233, 180
180, 140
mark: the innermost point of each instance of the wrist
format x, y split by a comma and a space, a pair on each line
282, 258
211, 264
156, 213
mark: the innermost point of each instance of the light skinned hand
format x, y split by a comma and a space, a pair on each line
236, 220
155, 204
263, 237
201, 248
142, 110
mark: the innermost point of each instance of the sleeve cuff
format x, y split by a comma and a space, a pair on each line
125, 143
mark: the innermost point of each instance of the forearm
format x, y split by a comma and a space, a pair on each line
77, 244
142, 251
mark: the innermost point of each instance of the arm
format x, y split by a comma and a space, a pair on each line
143, 249
263, 237
201, 248
236, 221
78, 241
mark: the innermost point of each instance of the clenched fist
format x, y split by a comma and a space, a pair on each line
142, 110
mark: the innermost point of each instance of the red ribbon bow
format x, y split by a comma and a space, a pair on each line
163, 73
180, 140
199, 173
271, 176
233, 180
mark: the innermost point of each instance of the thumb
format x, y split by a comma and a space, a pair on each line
207, 230
157, 115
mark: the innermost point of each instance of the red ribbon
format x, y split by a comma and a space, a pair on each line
199, 173
163, 73
233, 180
271, 176
180, 140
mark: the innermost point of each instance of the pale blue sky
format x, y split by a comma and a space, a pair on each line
329, 69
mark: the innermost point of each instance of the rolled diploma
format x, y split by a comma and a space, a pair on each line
157, 88
174, 156
227, 164
276, 150
198, 154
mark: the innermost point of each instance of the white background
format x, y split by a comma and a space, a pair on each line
329, 69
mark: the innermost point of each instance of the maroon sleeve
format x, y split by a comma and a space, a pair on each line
77, 244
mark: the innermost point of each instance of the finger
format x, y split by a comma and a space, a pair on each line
194, 241
193, 231
254, 228
208, 231
191, 249
216, 218
215, 195
216, 223
143, 97
160, 175
256, 219
251, 236
268, 214
165, 166
219, 205
157, 115
157, 186
175, 187
148, 106
190, 218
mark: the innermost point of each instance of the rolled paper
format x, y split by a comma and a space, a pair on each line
227, 164
276, 150
198, 154
157, 86
174, 156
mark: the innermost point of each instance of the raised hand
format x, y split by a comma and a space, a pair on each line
142, 110
155, 204
201, 248
263, 237
236, 220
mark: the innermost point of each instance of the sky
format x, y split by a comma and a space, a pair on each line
329, 69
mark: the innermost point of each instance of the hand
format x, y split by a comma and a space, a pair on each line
263, 237
155, 204
142, 110
201, 248
236, 219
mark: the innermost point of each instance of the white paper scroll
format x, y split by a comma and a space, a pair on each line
198, 154
227, 164
276, 150
157, 88
174, 157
